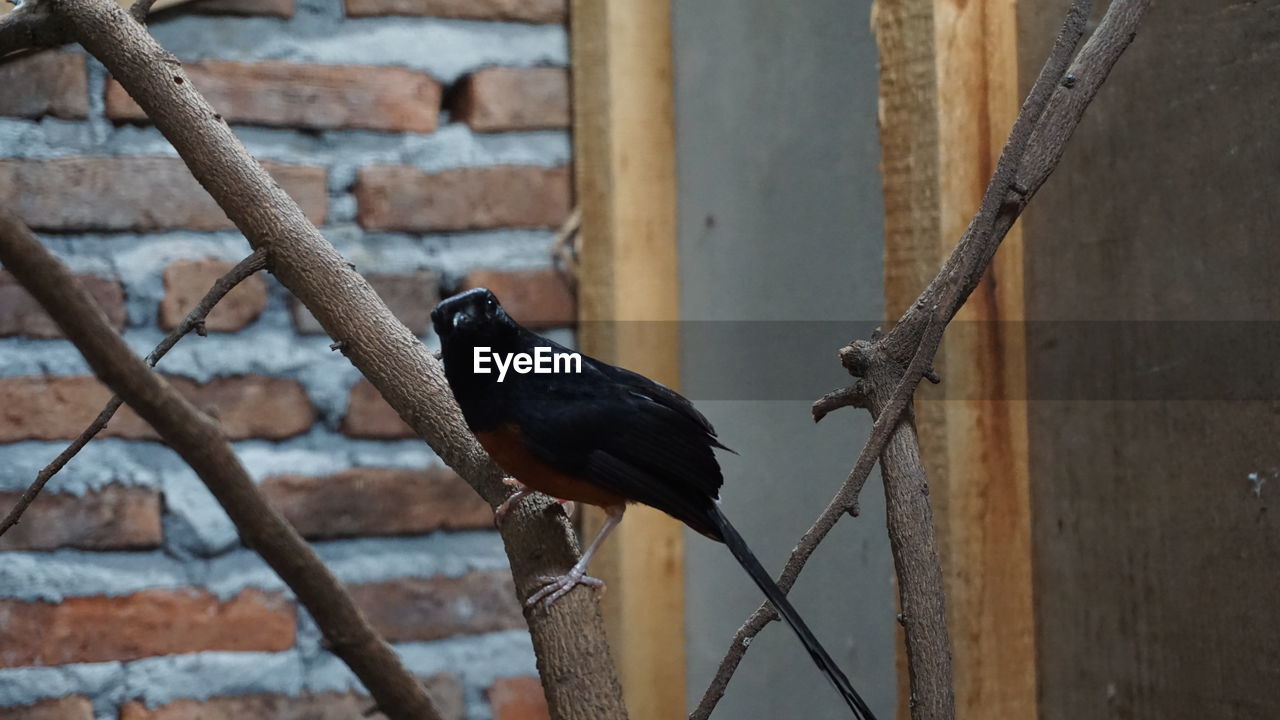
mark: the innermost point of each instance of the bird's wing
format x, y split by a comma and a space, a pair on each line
623, 438
662, 395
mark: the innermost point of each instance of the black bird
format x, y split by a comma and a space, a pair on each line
594, 433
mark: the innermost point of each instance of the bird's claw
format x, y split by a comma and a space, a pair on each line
522, 490
554, 587
512, 499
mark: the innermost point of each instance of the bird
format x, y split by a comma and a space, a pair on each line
595, 433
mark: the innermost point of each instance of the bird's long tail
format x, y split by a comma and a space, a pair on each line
748, 560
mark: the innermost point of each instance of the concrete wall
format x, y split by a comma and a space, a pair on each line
781, 264
197, 550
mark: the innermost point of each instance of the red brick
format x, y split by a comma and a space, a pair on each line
410, 298
46, 83
74, 707
378, 501
59, 408
421, 609
255, 406
535, 298
397, 197
369, 416
324, 97
20, 314
518, 698
113, 518
269, 8
444, 689
187, 281
151, 622
139, 193
533, 11
501, 99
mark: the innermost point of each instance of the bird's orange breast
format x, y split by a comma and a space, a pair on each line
506, 445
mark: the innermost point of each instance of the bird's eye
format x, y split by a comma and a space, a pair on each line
490, 304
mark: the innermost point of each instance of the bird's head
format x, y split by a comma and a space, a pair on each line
471, 315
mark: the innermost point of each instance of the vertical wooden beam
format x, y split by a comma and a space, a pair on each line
987, 537
624, 154
949, 93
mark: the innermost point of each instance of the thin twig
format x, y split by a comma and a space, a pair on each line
257, 260
193, 321
851, 396
33, 490
1044, 124
203, 445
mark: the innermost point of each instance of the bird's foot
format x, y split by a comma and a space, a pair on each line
521, 491
555, 586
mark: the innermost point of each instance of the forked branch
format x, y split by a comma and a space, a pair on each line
904, 356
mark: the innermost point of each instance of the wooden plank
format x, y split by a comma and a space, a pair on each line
984, 503
624, 158
1156, 553
948, 97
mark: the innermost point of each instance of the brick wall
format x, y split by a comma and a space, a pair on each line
428, 139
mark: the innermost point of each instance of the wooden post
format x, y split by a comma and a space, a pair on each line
986, 533
624, 156
949, 93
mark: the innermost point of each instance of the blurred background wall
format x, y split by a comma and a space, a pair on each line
432, 150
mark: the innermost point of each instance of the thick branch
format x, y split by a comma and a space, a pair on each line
193, 321
1037, 140
201, 443
30, 27
569, 639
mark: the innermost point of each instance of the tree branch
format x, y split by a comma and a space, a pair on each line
851, 396
568, 637
30, 27
193, 321
845, 501
141, 9
1036, 143
201, 443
